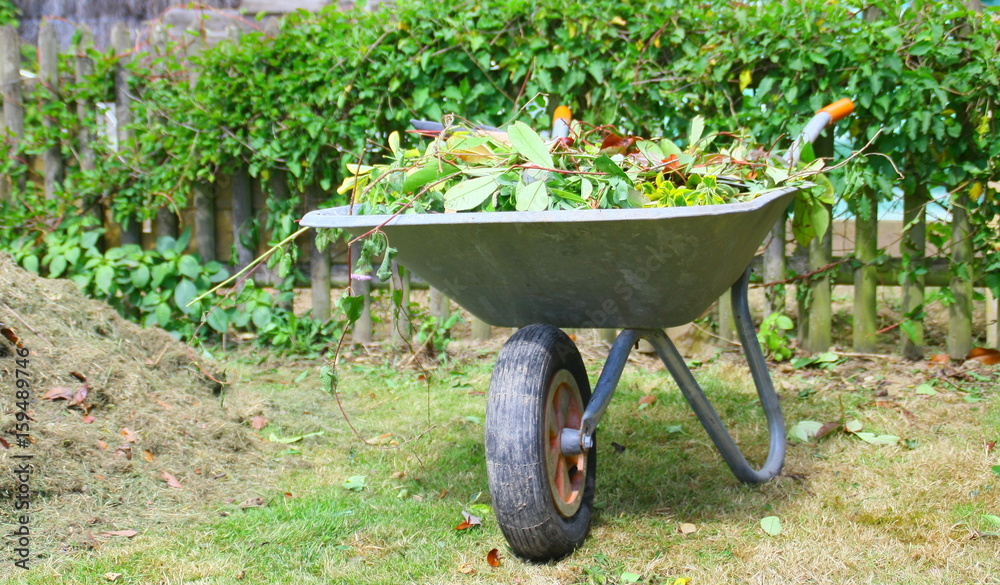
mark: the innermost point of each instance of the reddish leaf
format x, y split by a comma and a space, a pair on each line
129, 435
102, 445
289, 495
148, 456
990, 445
11, 336
171, 480
125, 451
464, 525
469, 521
80, 396
258, 422
4, 442
58, 393
939, 358
88, 419
78, 376
985, 356
493, 558
125, 533
647, 399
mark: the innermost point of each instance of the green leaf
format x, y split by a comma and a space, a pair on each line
784, 322
630, 577
694, 135
184, 293
355, 483
352, 307
162, 314
140, 276
261, 316
188, 266
470, 194
996, 470
926, 390
878, 439
275, 438
529, 144
804, 430
218, 320
853, 426
532, 197
992, 519
30, 263
428, 174
604, 164
104, 278
771, 525
57, 266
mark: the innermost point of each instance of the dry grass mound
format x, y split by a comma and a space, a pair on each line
144, 431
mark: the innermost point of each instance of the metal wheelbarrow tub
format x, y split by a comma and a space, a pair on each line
620, 268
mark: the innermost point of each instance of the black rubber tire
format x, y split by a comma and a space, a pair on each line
517, 445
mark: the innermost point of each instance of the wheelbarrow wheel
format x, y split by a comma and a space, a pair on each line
542, 498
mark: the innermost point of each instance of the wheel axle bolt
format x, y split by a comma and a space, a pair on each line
573, 442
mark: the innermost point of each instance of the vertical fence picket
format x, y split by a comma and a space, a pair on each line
774, 269
121, 41
913, 248
319, 260
727, 324
48, 75
10, 85
242, 194
865, 250
820, 333
84, 68
960, 311
166, 218
481, 330
363, 331
992, 324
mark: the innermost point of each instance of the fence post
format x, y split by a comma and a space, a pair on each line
481, 330
319, 262
727, 324
960, 311
121, 41
913, 249
166, 218
440, 307
820, 335
992, 324
84, 68
48, 73
774, 269
865, 250
10, 85
242, 216
363, 330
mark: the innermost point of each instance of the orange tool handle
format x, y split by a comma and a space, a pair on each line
839, 109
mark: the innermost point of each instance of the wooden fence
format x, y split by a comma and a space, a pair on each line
221, 212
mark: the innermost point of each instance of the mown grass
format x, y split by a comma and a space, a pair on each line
851, 512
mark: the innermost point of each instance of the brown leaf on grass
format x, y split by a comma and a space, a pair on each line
647, 399
989, 446
985, 356
11, 336
148, 456
102, 445
125, 451
112, 576
398, 474
493, 558
258, 422
125, 533
88, 419
58, 393
289, 495
164, 405
618, 448
4, 442
469, 521
687, 528
78, 376
253, 503
171, 480
466, 569
939, 358
129, 435
80, 396
826, 429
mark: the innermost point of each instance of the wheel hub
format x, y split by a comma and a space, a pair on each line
566, 473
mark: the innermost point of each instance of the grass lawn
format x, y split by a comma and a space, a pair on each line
920, 511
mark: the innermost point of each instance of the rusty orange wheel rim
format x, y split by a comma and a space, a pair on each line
566, 473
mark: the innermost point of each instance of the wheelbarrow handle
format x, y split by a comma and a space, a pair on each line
826, 116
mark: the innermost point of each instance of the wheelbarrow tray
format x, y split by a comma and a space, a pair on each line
615, 268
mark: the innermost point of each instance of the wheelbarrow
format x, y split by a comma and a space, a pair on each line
639, 270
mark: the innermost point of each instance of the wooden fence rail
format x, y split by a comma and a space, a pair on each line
220, 214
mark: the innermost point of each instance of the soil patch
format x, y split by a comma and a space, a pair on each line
156, 435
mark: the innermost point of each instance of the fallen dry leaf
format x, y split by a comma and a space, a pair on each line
124, 451
58, 393
80, 396
4, 442
989, 445
164, 405
129, 435
102, 445
939, 358
258, 422
11, 336
253, 503
647, 399
125, 533
398, 475
88, 419
826, 429
112, 576
618, 448
984, 356
171, 480
687, 528
78, 376
148, 456
493, 558
466, 569
289, 495
469, 521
